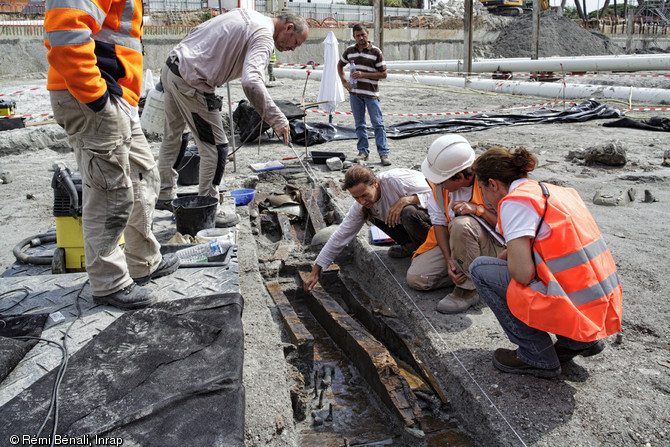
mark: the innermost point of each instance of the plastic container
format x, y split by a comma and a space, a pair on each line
320, 157
352, 68
194, 213
202, 252
242, 196
153, 114
212, 233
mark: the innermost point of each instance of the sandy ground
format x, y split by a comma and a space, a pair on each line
617, 398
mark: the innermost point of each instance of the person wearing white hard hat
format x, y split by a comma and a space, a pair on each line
456, 237
395, 201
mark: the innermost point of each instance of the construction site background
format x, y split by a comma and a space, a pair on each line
650, 18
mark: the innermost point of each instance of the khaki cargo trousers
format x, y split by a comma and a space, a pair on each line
187, 106
120, 184
467, 241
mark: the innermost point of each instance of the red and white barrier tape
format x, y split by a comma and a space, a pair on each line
641, 109
21, 91
27, 115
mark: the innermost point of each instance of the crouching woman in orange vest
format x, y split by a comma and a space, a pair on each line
556, 276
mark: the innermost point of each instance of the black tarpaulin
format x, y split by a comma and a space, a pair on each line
12, 350
655, 123
322, 133
318, 133
248, 121
169, 375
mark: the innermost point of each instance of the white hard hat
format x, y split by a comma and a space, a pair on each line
447, 156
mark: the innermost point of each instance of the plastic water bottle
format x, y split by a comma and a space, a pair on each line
352, 68
200, 252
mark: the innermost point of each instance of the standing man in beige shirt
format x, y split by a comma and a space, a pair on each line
237, 44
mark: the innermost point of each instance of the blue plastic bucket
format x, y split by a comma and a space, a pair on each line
242, 196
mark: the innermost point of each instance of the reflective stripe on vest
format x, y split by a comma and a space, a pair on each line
78, 37
120, 39
579, 297
570, 260
65, 38
85, 6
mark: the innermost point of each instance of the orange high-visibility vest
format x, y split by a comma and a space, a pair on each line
577, 292
95, 47
443, 202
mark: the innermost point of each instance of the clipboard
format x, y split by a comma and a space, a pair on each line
492, 231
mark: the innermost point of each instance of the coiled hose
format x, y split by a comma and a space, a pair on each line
34, 241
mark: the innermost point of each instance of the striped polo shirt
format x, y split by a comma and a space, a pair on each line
369, 59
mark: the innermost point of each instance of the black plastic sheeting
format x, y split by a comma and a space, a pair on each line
12, 350
656, 123
248, 121
169, 375
322, 132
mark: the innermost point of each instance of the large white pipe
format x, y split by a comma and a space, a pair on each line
541, 89
654, 62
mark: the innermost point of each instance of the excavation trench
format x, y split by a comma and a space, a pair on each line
359, 377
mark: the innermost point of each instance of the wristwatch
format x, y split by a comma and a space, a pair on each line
480, 210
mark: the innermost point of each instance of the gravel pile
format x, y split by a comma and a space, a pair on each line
559, 36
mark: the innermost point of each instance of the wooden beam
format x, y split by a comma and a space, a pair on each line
311, 202
296, 330
370, 357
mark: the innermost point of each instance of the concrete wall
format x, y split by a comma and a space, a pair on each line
21, 55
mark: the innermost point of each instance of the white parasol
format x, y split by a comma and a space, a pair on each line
331, 88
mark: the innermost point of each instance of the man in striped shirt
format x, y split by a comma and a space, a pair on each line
367, 67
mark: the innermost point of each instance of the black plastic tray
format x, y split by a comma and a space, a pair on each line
320, 157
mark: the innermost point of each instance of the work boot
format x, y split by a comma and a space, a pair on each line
362, 156
130, 297
165, 205
506, 361
385, 160
566, 354
226, 218
169, 264
401, 251
458, 301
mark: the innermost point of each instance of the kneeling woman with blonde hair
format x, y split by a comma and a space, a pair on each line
556, 276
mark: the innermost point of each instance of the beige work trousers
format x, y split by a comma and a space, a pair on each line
467, 241
120, 185
183, 106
